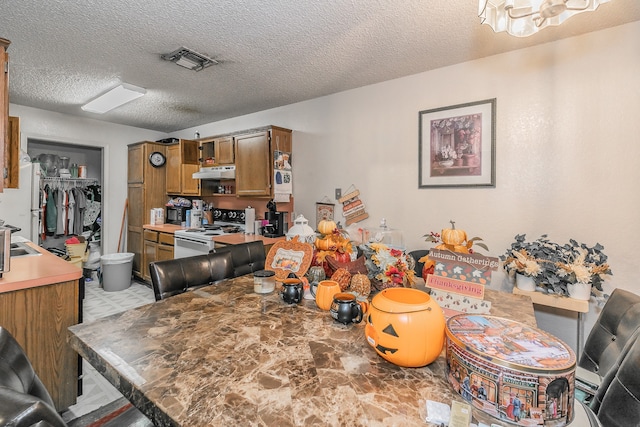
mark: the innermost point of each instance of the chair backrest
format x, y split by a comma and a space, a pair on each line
247, 257
24, 400
175, 276
616, 324
617, 403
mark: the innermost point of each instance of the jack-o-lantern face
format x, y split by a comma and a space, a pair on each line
406, 327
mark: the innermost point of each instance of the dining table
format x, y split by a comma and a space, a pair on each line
224, 355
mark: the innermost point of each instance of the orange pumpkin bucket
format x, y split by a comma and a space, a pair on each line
405, 326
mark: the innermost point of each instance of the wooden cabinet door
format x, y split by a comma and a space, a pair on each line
135, 171
174, 171
13, 154
135, 220
150, 254
224, 151
5, 155
253, 165
164, 252
190, 186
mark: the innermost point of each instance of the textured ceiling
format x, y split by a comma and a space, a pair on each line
272, 52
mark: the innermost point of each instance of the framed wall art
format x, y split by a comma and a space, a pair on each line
457, 145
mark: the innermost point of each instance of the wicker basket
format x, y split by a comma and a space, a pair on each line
76, 250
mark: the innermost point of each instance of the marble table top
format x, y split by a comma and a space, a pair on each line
223, 355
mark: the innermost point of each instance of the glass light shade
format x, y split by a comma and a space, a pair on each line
523, 18
116, 97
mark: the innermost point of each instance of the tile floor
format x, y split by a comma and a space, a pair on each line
97, 391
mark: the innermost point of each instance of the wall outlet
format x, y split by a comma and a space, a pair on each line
338, 193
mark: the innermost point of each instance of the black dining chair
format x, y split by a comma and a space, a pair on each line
617, 323
175, 276
617, 401
24, 400
247, 257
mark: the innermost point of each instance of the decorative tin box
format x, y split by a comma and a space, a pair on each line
511, 371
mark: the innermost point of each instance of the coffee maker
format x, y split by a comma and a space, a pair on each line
276, 226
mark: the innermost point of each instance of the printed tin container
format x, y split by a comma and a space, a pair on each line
511, 371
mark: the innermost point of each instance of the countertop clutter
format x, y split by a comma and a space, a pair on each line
224, 355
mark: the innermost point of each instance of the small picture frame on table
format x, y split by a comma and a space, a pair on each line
324, 211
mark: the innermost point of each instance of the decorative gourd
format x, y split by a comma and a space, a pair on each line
326, 226
406, 327
451, 236
343, 277
360, 284
325, 244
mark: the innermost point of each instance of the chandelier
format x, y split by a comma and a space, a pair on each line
523, 18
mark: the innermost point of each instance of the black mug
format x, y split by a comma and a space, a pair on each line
345, 309
292, 293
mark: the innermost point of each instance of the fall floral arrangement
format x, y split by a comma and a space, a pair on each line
387, 266
554, 266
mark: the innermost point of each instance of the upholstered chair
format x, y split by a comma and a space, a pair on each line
617, 401
24, 400
175, 276
616, 324
247, 257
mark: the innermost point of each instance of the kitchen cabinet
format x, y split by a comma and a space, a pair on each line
182, 162
4, 111
254, 160
216, 151
12, 151
157, 246
146, 190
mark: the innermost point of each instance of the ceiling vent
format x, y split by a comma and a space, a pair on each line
190, 59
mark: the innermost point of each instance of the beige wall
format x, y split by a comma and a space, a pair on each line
567, 150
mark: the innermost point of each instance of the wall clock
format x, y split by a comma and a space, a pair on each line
157, 159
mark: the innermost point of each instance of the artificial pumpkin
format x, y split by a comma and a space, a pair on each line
325, 244
453, 236
406, 327
343, 277
360, 284
326, 226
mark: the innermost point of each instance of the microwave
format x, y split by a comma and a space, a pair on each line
176, 215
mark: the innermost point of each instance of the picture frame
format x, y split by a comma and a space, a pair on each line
457, 145
324, 211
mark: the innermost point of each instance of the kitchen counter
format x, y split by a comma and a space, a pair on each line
164, 228
224, 355
39, 300
37, 270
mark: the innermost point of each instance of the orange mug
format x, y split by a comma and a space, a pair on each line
324, 293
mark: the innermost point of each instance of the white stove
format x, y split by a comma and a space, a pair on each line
199, 241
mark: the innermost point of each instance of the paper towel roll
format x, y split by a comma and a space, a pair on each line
249, 220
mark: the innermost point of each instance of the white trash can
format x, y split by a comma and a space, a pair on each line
116, 271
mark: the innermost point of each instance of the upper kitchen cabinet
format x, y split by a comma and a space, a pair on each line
216, 151
182, 162
4, 112
254, 160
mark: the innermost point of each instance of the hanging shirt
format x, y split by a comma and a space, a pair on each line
60, 204
51, 218
71, 213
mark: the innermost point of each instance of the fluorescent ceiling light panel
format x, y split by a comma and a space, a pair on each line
116, 97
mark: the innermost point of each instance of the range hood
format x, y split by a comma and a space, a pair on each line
216, 172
